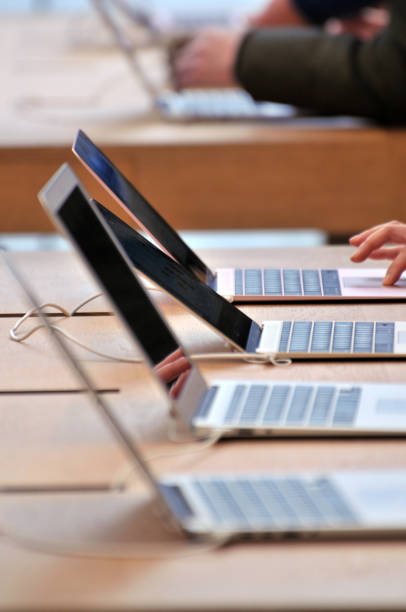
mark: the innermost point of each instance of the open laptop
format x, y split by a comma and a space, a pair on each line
225, 407
164, 21
229, 506
300, 339
188, 104
240, 285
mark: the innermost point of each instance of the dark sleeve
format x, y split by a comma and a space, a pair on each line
333, 74
318, 11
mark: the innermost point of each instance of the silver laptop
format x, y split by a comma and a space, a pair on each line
235, 505
189, 104
164, 22
333, 338
226, 407
243, 284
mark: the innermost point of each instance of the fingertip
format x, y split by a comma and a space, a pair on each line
356, 241
389, 279
356, 258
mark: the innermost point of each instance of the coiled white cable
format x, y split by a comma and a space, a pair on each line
255, 358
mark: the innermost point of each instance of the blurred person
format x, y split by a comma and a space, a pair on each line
336, 16
384, 241
356, 65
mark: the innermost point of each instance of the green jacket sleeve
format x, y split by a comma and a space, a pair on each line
329, 74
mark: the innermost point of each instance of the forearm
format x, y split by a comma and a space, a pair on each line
337, 74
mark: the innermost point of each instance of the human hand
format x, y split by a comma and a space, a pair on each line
366, 25
371, 243
208, 60
278, 13
175, 367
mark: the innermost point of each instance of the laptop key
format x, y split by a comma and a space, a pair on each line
347, 406
322, 406
250, 502
216, 495
276, 404
282, 513
300, 338
363, 337
296, 496
253, 403
272, 282
331, 282
384, 337
291, 282
284, 341
337, 508
342, 340
238, 283
253, 282
321, 338
299, 404
234, 407
311, 282
206, 402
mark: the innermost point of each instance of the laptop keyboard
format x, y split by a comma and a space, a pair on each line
262, 405
279, 503
336, 337
212, 103
286, 282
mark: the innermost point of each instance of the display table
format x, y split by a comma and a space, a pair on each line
56, 549
60, 74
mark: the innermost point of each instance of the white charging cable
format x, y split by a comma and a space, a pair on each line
256, 358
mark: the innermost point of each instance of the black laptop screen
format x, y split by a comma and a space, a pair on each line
124, 290
240, 329
137, 206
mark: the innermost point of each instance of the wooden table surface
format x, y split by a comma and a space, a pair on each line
51, 434
60, 74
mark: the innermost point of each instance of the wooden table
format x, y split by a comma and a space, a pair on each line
51, 434
61, 74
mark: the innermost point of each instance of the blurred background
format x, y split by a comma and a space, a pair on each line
219, 7
61, 70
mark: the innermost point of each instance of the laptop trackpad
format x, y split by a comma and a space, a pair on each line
368, 282
391, 406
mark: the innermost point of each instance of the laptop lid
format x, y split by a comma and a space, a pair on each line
239, 329
329, 503
106, 9
68, 205
125, 441
137, 206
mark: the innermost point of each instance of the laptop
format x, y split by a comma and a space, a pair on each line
240, 285
167, 22
228, 506
225, 407
312, 339
188, 104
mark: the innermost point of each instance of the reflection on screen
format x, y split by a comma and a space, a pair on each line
201, 299
173, 371
137, 206
125, 292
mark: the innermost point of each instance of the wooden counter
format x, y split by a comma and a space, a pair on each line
106, 550
60, 74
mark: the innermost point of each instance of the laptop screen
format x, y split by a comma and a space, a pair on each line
125, 441
130, 300
240, 329
137, 206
